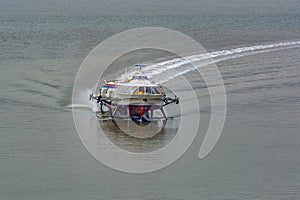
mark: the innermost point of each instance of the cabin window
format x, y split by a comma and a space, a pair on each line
148, 90
132, 89
126, 89
122, 89
141, 89
155, 90
139, 77
161, 90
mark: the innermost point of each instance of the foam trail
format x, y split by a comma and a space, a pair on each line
218, 60
82, 101
79, 106
180, 64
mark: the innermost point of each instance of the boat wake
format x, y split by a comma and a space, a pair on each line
83, 103
168, 70
83, 106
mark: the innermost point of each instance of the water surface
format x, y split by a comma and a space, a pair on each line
42, 46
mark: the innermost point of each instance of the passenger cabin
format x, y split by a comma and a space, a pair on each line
139, 90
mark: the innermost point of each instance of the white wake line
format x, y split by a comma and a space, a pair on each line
222, 59
79, 106
89, 106
156, 69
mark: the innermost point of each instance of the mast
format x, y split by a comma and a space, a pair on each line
140, 67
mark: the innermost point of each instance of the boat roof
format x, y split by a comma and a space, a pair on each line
139, 83
137, 80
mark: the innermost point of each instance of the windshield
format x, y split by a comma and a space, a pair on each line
148, 90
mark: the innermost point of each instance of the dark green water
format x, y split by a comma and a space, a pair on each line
42, 46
